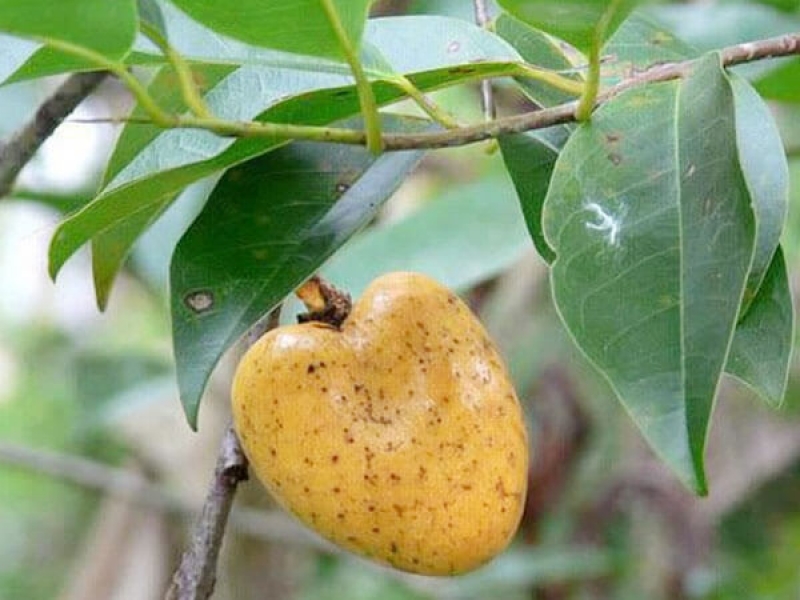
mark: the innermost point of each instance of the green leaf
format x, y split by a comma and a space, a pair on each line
782, 83
462, 238
299, 26
650, 218
268, 225
573, 21
766, 173
537, 49
107, 28
147, 172
762, 346
530, 159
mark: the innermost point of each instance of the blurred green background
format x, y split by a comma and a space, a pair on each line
99, 474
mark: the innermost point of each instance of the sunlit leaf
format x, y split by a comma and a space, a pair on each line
107, 28
300, 26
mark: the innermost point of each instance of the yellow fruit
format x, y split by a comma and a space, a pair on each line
398, 437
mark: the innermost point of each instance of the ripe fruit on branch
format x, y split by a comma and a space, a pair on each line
397, 436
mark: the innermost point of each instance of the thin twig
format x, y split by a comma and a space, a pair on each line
487, 97
197, 573
16, 153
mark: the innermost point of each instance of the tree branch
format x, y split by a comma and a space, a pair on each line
16, 153
196, 575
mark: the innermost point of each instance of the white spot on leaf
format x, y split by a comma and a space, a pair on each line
605, 223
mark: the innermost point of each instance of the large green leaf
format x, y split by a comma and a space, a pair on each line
300, 26
158, 168
762, 346
766, 173
268, 225
650, 219
107, 28
467, 235
574, 21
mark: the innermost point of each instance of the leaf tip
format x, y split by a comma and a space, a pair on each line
698, 482
101, 299
102, 285
54, 261
701, 488
191, 408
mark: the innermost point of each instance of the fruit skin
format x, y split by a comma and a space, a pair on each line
398, 437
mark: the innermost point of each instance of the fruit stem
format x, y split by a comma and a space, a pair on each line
325, 302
